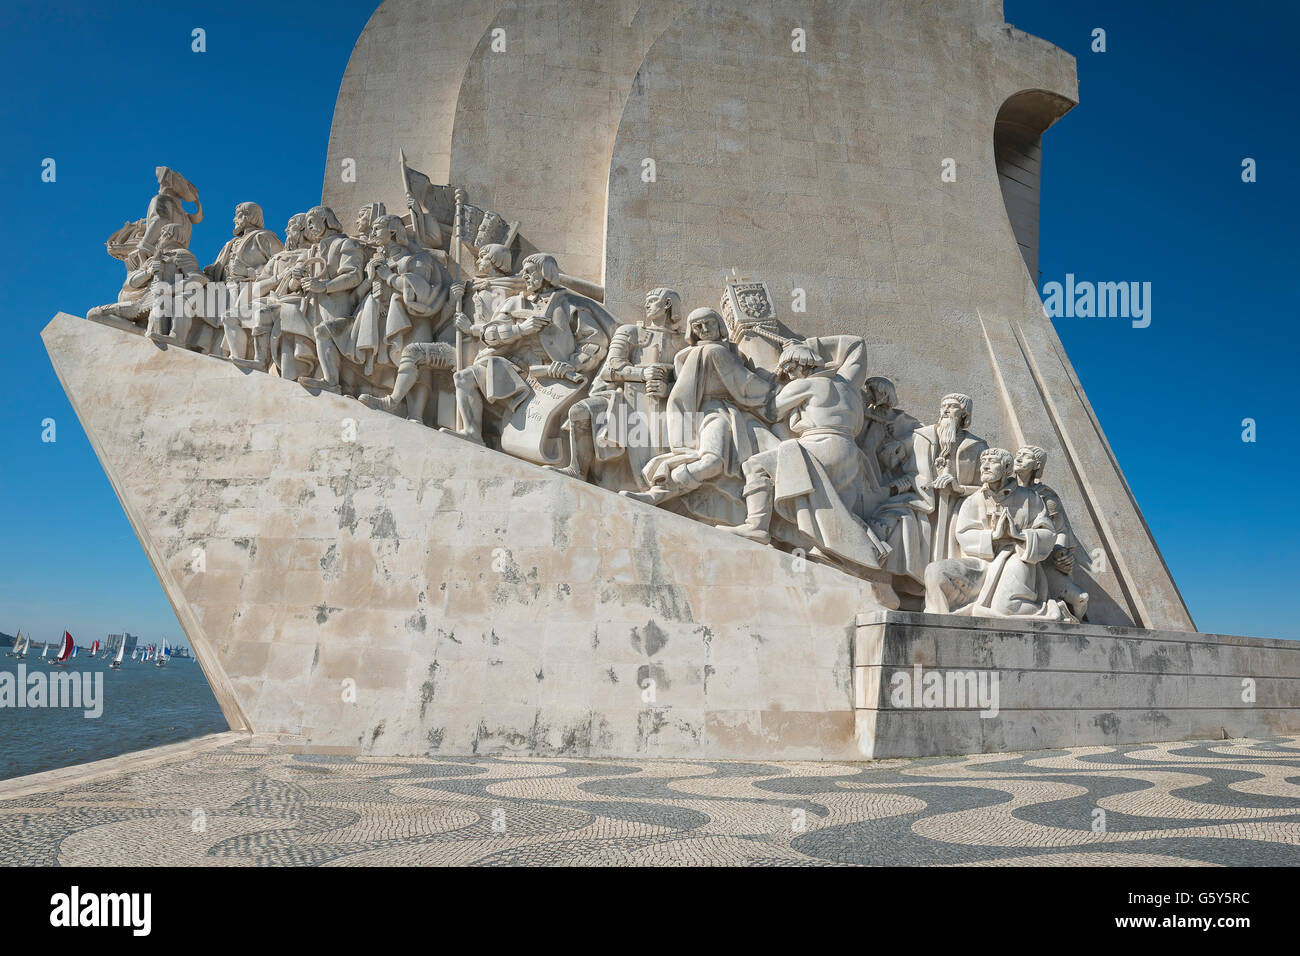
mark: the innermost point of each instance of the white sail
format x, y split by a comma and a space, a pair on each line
121, 652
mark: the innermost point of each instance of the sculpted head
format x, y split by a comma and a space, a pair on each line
704, 325
797, 361
891, 454
174, 184
493, 259
248, 215
541, 270
1029, 464
294, 229
366, 217
958, 408
320, 220
662, 307
387, 230
880, 392
995, 466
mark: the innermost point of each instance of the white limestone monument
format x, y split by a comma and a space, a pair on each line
708, 409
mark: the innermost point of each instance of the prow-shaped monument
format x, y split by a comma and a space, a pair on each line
704, 412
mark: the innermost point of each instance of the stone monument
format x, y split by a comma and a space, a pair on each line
495, 475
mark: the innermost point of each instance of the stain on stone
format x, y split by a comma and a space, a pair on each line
1108, 723
494, 639
541, 676
652, 641
561, 537
376, 733
595, 638
613, 678
323, 612
329, 562
417, 622
382, 525
709, 671
429, 688
248, 544
315, 658
435, 737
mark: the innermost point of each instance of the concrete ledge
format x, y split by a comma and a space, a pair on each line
1060, 685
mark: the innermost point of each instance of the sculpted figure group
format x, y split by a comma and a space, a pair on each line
697, 412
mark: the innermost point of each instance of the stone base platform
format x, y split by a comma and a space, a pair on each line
917, 681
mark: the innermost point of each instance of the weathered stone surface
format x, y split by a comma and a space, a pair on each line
816, 170
479, 603
1066, 685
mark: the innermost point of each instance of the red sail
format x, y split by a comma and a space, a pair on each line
66, 650
94, 646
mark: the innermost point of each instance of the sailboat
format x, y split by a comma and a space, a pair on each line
94, 647
164, 653
45, 652
121, 652
66, 650
20, 648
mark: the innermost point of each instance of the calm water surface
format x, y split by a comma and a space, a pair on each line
144, 706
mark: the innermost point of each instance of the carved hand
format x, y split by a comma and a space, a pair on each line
561, 370
534, 323
312, 286
463, 324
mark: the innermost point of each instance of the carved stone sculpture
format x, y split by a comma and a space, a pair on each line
161, 292
1004, 533
491, 286
814, 482
539, 350
238, 265
712, 427
623, 421
278, 294
338, 268
948, 462
1029, 464
729, 419
406, 292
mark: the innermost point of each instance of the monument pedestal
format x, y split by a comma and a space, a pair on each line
928, 684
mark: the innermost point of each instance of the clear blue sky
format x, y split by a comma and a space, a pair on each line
1142, 182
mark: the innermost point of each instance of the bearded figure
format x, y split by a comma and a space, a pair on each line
947, 464
238, 265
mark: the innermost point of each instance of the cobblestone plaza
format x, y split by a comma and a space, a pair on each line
238, 802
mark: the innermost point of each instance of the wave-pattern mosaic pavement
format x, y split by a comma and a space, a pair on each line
1211, 802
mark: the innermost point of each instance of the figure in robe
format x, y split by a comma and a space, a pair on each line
546, 334
406, 293
1029, 464
278, 297
167, 208
330, 278
884, 421
489, 289
623, 420
901, 519
815, 482
238, 265
713, 427
947, 461
1004, 533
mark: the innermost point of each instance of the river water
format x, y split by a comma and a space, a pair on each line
142, 706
